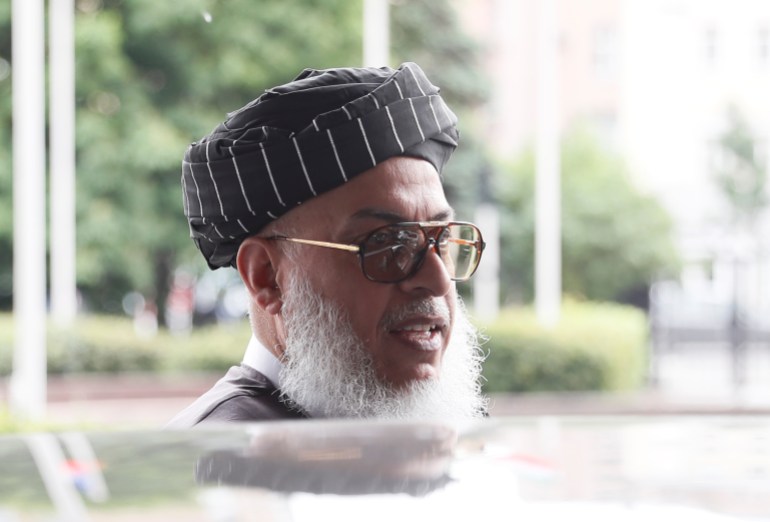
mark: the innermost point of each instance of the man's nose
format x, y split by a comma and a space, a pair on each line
432, 277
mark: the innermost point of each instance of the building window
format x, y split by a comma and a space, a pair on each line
604, 52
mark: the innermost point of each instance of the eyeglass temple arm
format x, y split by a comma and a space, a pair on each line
326, 244
468, 242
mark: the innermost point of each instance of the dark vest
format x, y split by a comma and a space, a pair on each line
242, 395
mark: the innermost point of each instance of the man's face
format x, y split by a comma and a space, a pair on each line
404, 326
328, 371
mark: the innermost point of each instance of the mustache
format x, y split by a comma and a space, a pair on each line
432, 307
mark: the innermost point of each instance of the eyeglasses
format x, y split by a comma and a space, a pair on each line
395, 252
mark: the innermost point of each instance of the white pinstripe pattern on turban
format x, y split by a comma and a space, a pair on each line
301, 139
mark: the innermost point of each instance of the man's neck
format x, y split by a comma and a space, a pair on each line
257, 356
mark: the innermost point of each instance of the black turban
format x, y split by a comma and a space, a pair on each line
304, 138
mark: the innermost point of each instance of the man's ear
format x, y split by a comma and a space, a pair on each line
257, 259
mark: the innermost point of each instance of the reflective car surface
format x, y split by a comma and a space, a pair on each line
544, 468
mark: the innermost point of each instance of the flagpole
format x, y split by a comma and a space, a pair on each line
62, 164
548, 177
28, 380
376, 33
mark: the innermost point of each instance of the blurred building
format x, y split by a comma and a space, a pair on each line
654, 79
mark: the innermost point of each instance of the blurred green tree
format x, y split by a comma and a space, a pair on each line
615, 239
740, 172
153, 76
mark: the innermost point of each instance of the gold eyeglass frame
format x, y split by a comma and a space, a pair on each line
358, 248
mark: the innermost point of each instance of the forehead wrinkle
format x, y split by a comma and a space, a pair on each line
393, 217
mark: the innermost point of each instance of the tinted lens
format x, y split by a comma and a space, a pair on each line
461, 250
392, 253
389, 253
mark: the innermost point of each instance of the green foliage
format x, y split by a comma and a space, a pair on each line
154, 76
594, 347
111, 344
94, 344
214, 348
536, 365
741, 174
614, 238
151, 78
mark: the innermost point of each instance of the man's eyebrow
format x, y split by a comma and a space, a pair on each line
392, 217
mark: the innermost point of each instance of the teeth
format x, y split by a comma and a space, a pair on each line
418, 328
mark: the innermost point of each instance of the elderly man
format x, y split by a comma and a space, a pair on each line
326, 195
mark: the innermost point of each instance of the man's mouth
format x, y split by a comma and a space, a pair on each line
423, 325
420, 328
421, 334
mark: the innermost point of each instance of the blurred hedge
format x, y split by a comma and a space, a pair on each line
595, 347
110, 344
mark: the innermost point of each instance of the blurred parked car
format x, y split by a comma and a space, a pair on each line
533, 469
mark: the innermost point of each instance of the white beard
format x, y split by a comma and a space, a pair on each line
328, 373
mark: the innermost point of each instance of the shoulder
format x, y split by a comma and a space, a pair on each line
242, 395
251, 407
